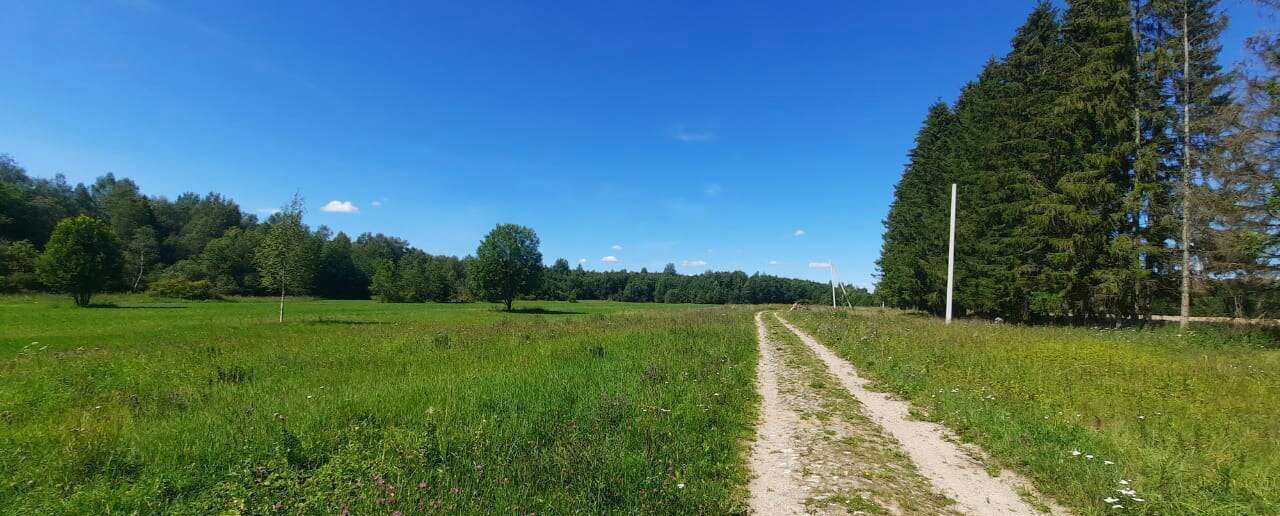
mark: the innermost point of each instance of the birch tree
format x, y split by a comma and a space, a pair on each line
281, 256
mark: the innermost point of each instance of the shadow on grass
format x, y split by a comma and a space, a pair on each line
134, 307
540, 311
344, 322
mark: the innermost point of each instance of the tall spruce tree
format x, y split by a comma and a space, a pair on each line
1087, 273
912, 258
1012, 151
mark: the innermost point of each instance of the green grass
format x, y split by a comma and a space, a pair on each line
1191, 421
203, 408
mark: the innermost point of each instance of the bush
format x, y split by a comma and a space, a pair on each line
81, 258
177, 287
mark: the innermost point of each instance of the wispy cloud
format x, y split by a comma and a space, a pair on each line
268, 211
690, 136
682, 208
610, 259
799, 233
616, 247
376, 204
693, 263
336, 206
819, 265
711, 189
582, 260
773, 262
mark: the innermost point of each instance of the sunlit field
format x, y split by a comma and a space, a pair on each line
138, 406
1154, 421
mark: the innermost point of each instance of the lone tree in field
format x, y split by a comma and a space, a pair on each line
82, 256
507, 264
281, 256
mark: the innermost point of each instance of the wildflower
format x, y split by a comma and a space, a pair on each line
1107, 462
1136, 499
680, 486
1075, 453
1090, 457
1117, 506
1111, 499
422, 485
1124, 482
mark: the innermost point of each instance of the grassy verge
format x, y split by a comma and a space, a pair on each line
204, 408
1187, 424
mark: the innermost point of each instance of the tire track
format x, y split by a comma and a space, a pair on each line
774, 486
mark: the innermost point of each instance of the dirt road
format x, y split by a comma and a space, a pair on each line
827, 445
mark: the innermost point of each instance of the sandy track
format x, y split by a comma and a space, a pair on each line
774, 487
934, 450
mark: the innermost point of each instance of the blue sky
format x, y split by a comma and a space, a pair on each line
708, 134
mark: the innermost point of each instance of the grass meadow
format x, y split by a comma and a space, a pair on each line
365, 408
1153, 421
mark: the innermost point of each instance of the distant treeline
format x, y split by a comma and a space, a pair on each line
1108, 167
202, 247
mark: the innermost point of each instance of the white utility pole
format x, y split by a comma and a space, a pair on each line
836, 275
832, 267
951, 253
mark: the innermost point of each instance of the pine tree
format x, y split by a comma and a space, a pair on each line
1242, 242
1198, 93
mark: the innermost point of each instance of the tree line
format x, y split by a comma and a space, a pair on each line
109, 236
1108, 168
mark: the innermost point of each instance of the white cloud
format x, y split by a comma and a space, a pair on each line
336, 206
694, 136
582, 260
268, 211
376, 204
712, 189
819, 265
693, 263
799, 233
610, 259
616, 247
773, 262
